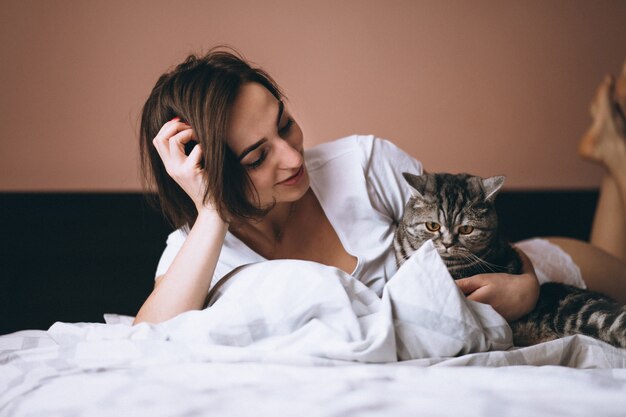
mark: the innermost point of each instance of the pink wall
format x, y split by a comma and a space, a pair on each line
488, 87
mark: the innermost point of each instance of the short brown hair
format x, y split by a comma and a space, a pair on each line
201, 91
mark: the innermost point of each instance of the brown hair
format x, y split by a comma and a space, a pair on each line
201, 91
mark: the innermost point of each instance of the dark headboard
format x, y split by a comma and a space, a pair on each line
73, 257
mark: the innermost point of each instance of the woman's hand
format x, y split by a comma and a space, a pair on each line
512, 296
185, 170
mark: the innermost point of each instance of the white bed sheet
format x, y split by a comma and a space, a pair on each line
42, 380
314, 343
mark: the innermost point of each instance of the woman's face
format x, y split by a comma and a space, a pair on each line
268, 143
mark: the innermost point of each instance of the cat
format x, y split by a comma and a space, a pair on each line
457, 212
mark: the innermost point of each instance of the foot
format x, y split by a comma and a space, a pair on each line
605, 141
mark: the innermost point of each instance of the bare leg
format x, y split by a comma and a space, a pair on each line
605, 143
603, 261
609, 226
601, 271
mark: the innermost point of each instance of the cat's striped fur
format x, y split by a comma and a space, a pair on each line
457, 212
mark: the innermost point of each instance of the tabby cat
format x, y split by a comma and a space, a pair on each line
457, 212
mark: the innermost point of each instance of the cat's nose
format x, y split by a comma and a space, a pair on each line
447, 244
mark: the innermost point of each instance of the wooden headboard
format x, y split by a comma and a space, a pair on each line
75, 256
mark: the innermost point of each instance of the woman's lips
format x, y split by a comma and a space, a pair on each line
295, 178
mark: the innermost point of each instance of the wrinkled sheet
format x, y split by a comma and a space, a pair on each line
292, 338
99, 378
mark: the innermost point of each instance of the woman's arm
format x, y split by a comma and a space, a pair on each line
512, 296
186, 283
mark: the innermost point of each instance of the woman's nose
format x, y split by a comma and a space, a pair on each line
289, 157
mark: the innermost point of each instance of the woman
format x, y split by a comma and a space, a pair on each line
244, 194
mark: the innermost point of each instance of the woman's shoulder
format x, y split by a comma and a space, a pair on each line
178, 236
359, 146
362, 148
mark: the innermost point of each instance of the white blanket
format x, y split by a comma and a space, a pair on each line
316, 313
258, 350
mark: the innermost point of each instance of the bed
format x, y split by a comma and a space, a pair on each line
321, 345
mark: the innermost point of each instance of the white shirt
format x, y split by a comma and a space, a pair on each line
358, 182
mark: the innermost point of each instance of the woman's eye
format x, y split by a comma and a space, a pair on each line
432, 226
258, 162
285, 129
466, 230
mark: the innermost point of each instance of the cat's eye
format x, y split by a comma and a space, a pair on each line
466, 230
432, 226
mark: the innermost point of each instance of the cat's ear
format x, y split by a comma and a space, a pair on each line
418, 183
491, 186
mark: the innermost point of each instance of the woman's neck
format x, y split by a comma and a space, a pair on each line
265, 235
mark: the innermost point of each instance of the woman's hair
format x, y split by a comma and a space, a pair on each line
201, 91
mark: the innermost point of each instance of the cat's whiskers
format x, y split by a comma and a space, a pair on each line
493, 268
476, 262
